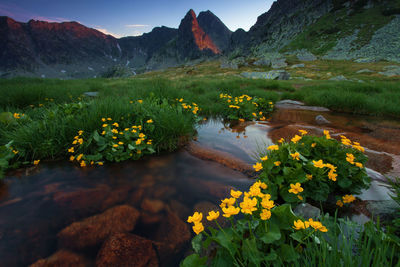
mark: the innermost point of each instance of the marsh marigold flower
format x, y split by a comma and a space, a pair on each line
327, 135
230, 211
212, 215
348, 198
299, 225
149, 121
198, 228
265, 214
258, 166
235, 194
248, 205
303, 132
264, 158
319, 164
339, 203
296, 138
281, 140
295, 188
277, 163
295, 156
78, 158
309, 176
195, 218
273, 147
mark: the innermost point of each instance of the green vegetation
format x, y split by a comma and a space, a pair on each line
322, 36
314, 168
268, 233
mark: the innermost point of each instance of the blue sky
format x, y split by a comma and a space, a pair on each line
132, 17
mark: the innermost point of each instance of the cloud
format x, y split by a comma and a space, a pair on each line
136, 25
105, 31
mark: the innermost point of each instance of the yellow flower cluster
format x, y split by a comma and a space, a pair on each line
350, 158
345, 199
327, 134
302, 225
235, 102
347, 142
253, 200
18, 115
296, 138
332, 175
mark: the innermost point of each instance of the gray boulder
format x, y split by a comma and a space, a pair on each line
307, 211
304, 55
364, 71
270, 75
338, 78
297, 66
320, 120
278, 63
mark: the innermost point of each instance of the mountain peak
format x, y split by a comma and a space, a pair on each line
190, 26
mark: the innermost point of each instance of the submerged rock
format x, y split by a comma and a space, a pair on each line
124, 250
62, 258
152, 205
94, 230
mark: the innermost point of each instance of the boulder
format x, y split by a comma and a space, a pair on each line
364, 71
297, 66
307, 211
171, 236
229, 65
338, 78
116, 196
304, 55
278, 63
124, 250
320, 120
391, 71
365, 60
152, 205
62, 258
270, 75
82, 200
94, 230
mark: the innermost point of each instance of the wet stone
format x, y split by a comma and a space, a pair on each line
320, 120
307, 211
63, 258
93, 230
152, 205
124, 250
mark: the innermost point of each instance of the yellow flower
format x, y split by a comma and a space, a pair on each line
281, 140
140, 101
332, 176
264, 158
248, 205
241, 120
235, 194
339, 203
299, 225
277, 163
258, 166
149, 142
71, 150
198, 228
103, 119
78, 158
139, 152
196, 218
229, 211
348, 198
139, 141
303, 132
296, 138
265, 215
295, 156
15, 152
100, 163
149, 121
17, 116
103, 133
212, 215
319, 164
313, 144
300, 197
115, 124
309, 176
83, 163
273, 147
115, 145
80, 132
71, 158
228, 201
327, 135
75, 142
266, 203
36, 162
359, 165
105, 125
114, 131
114, 137
255, 191
358, 147
295, 188
350, 158
317, 225
109, 119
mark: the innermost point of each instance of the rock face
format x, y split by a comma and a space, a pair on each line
216, 29
286, 18
33, 45
94, 230
62, 258
126, 250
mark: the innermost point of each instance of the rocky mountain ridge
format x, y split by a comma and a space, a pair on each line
363, 30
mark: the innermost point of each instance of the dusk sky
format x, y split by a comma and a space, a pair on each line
132, 17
